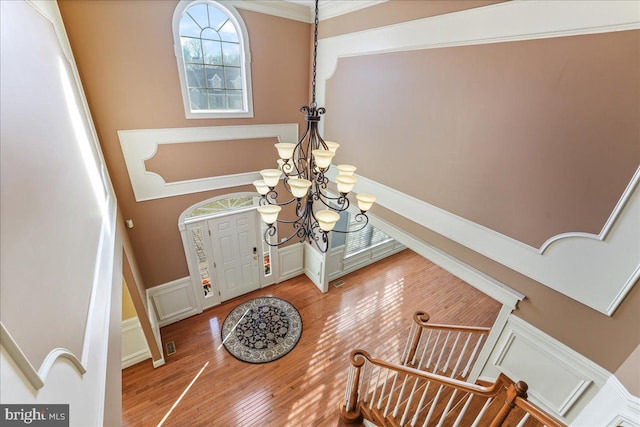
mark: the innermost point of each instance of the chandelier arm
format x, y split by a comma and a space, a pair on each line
271, 231
342, 201
264, 201
358, 218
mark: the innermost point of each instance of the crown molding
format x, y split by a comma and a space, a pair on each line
302, 10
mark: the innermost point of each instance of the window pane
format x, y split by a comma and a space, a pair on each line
215, 77
233, 78
217, 99
210, 34
212, 52
217, 18
231, 54
195, 75
188, 26
228, 32
199, 14
191, 49
236, 102
198, 99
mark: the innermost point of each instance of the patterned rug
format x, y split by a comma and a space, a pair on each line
261, 330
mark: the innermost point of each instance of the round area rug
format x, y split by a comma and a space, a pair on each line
261, 330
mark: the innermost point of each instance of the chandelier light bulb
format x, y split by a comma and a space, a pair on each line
285, 150
299, 187
269, 213
345, 183
327, 219
346, 169
332, 146
261, 187
365, 201
271, 177
323, 158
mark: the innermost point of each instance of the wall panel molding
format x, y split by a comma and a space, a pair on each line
560, 380
596, 270
134, 345
173, 301
290, 261
141, 144
613, 406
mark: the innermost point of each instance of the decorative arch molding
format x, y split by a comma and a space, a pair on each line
596, 270
142, 144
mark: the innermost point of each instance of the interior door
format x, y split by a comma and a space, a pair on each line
235, 253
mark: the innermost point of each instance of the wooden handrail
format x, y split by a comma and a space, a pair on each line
515, 394
421, 318
421, 324
525, 405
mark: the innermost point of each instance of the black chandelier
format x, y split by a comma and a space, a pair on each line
303, 167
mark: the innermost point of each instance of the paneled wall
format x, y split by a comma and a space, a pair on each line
61, 253
125, 55
508, 140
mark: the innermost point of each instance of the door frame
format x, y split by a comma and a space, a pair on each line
186, 224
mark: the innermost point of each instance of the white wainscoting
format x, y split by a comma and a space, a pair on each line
613, 406
134, 345
290, 261
314, 267
173, 301
561, 381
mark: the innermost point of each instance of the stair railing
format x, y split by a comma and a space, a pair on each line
395, 395
448, 350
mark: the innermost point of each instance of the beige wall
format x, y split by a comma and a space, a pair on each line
124, 51
529, 138
629, 372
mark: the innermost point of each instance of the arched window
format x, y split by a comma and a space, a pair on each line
212, 49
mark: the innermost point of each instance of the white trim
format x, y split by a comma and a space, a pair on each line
626, 195
613, 406
243, 37
176, 312
597, 273
142, 144
304, 10
561, 381
133, 336
290, 261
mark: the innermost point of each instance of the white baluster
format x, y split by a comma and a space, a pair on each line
409, 400
462, 353
481, 413
375, 389
433, 406
397, 407
463, 411
523, 420
384, 386
433, 350
446, 410
473, 355
414, 420
453, 348
444, 346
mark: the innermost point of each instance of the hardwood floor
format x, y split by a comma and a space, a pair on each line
372, 311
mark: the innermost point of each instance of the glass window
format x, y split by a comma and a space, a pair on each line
212, 60
364, 239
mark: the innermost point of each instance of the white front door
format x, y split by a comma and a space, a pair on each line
235, 253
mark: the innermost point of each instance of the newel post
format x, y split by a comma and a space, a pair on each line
350, 411
518, 389
420, 319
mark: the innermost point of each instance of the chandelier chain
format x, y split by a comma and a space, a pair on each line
315, 54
